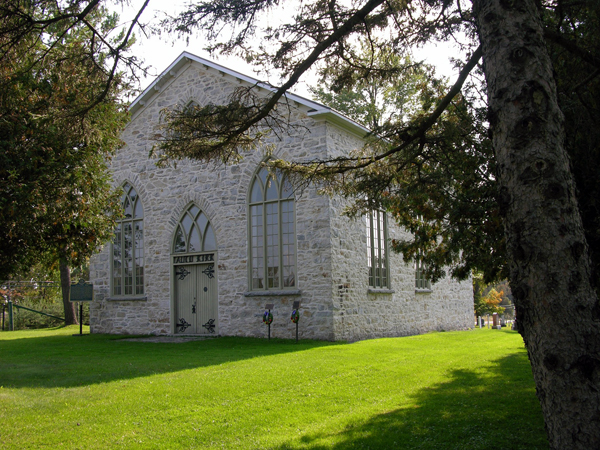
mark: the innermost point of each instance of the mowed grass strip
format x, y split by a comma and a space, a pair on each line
453, 390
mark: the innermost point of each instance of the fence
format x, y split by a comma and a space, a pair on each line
9, 307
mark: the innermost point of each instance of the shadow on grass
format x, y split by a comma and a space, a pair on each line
70, 361
494, 409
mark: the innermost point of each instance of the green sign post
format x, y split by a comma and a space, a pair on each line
82, 291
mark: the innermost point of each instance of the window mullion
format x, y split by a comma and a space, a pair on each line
279, 243
372, 249
265, 247
378, 221
133, 259
122, 260
379, 249
385, 244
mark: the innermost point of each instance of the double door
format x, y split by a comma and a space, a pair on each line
196, 306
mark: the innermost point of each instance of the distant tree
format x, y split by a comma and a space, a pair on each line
38, 288
489, 303
372, 99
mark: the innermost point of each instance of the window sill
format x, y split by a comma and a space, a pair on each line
423, 291
372, 290
280, 293
130, 298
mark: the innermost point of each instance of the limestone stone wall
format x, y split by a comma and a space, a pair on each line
332, 273
221, 192
363, 313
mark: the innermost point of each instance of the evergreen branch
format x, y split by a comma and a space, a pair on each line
572, 48
227, 127
337, 35
345, 164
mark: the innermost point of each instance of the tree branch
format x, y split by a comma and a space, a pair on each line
422, 129
338, 34
116, 52
572, 48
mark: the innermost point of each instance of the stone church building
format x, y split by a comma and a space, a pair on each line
202, 249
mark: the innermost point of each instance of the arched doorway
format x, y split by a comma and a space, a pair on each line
194, 255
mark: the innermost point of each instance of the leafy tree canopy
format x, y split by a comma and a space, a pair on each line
60, 120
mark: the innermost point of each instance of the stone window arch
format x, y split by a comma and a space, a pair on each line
194, 233
128, 246
272, 232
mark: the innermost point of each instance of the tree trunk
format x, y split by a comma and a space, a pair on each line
557, 309
65, 284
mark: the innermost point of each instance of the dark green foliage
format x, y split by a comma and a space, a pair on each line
60, 119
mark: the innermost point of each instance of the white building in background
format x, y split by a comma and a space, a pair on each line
203, 249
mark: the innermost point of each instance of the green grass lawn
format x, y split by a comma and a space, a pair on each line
453, 390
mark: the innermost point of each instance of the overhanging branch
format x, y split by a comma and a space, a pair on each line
338, 34
419, 133
572, 48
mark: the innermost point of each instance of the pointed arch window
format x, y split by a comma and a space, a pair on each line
128, 246
272, 233
194, 233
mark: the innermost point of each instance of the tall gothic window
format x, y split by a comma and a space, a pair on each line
194, 233
272, 233
377, 250
128, 247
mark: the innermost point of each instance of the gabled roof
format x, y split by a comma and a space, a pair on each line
315, 110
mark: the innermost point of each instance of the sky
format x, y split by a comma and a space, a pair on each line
160, 51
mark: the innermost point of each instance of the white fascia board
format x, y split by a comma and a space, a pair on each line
334, 117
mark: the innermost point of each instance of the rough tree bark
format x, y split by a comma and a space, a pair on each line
65, 284
550, 274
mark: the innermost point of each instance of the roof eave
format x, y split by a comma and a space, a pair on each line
332, 116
